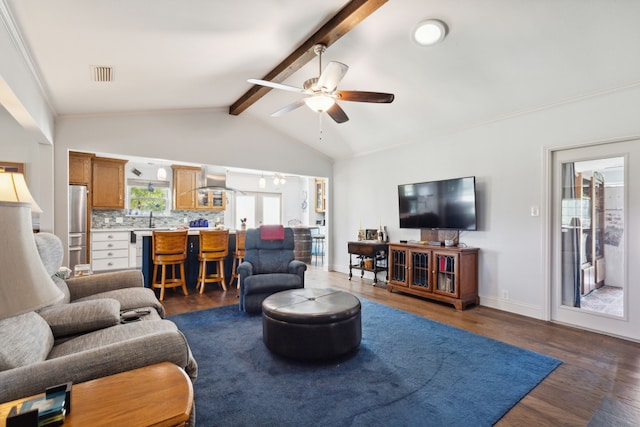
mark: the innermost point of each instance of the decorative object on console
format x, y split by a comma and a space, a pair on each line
24, 284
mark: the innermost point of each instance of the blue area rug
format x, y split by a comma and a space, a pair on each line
409, 371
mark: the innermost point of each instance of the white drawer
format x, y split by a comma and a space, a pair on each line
106, 236
110, 264
112, 253
118, 244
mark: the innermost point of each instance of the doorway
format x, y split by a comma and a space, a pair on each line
593, 210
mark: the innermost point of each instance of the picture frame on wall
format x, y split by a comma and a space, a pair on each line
11, 167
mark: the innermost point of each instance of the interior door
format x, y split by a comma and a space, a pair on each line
594, 212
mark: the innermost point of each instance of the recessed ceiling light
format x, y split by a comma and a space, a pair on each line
430, 32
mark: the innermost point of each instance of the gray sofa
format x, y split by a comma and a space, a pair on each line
269, 266
83, 337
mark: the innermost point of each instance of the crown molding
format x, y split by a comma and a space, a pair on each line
9, 22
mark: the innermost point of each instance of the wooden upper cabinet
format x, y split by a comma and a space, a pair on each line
185, 179
80, 168
321, 197
108, 183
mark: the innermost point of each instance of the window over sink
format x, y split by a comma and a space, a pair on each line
144, 197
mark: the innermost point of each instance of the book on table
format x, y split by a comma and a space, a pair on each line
51, 409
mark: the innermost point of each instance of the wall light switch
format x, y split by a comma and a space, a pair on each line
106, 220
535, 211
119, 220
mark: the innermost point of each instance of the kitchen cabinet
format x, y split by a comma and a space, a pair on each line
109, 250
446, 274
184, 183
108, 183
186, 196
80, 168
321, 198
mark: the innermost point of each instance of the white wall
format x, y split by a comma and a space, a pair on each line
211, 137
508, 159
19, 146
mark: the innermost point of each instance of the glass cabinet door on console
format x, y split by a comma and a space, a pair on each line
398, 266
446, 268
410, 268
421, 270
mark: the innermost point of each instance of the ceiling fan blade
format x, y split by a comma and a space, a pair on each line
331, 76
359, 96
337, 114
276, 85
299, 103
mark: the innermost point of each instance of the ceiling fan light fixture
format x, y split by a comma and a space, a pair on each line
319, 103
430, 32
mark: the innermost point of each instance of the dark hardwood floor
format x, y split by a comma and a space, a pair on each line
594, 366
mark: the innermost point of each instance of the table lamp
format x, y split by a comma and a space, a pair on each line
25, 285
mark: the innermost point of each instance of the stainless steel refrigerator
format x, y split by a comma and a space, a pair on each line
77, 225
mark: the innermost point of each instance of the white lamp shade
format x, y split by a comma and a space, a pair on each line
319, 103
13, 188
25, 285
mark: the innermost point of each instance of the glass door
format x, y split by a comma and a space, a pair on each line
258, 208
593, 205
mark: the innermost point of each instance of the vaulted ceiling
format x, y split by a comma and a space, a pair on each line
501, 58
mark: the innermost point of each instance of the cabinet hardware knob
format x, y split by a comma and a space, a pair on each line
110, 245
110, 254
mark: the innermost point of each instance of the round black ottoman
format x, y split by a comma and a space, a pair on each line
311, 324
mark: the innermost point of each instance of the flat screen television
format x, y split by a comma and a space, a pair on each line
447, 204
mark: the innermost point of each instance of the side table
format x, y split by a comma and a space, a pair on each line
156, 395
368, 250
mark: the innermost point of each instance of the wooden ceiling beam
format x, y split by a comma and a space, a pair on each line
343, 22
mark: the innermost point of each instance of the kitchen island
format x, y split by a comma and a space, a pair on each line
192, 263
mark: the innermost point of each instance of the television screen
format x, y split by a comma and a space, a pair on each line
445, 204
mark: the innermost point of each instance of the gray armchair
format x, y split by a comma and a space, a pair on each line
83, 338
269, 266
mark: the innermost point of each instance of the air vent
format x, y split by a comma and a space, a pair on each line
101, 73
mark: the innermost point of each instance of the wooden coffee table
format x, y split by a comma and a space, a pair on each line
156, 395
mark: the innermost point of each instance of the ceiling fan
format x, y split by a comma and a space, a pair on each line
322, 92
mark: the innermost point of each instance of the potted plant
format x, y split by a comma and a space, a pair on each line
243, 223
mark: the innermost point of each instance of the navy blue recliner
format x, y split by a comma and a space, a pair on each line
269, 266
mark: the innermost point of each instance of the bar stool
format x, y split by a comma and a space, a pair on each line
214, 247
169, 248
238, 256
318, 243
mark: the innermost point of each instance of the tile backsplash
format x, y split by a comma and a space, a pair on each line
176, 219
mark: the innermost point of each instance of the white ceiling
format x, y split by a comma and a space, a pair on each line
501, 58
